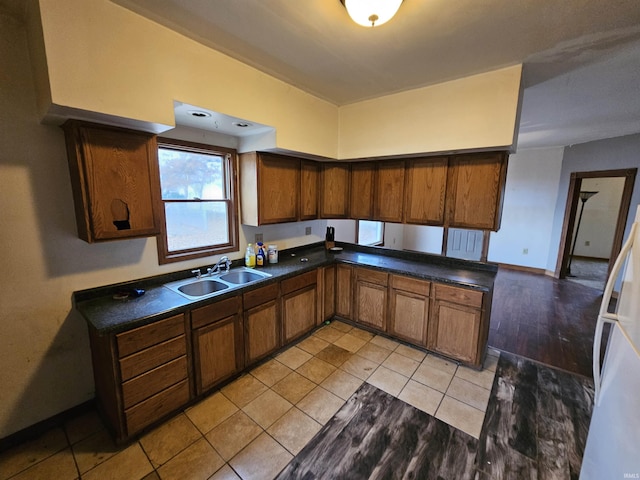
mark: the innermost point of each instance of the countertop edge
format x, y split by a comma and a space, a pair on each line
108, 316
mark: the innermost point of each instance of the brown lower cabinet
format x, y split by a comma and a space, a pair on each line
370, 298
144, 374
299, 305
409, 309
218, 342
344, 291
327, 294
456, 322
261, 322
141, 375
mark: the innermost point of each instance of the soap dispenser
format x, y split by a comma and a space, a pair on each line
250, 257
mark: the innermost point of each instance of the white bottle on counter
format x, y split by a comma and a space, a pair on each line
272, 253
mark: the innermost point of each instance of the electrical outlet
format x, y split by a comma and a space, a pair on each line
258, 237
307, 231
525, 251
587, 243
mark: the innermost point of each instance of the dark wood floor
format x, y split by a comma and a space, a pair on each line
535, 428
547, 320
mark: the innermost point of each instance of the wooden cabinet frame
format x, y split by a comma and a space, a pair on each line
462, 190
370, 302
475, 190
409, 308
114, 179
218, 342
142, 375
425, 190
262, 322
335, 190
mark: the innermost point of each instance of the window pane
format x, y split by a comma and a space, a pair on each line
188, 175
196, 224
369, 233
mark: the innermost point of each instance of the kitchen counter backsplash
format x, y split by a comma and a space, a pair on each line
107, 315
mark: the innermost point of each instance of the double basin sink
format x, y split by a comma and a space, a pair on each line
208, 286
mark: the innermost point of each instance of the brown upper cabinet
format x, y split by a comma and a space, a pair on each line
425, 189
269, 188
309, 177
465, 190
475, 190
362, 184
114, 177
389, 191
334, 191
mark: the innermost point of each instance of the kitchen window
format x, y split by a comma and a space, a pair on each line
198, 195
370, 232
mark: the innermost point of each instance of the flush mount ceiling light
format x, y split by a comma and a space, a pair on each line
371, 13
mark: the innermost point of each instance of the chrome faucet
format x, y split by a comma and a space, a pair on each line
216, 268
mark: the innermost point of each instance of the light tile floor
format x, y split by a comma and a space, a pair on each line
253, 427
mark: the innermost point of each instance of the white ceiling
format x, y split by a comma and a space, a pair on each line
581, 57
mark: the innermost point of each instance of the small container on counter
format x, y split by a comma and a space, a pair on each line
272, 253
260, 255
250, 257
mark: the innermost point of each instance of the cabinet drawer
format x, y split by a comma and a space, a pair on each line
152, 357
413, 285
153, 381
216, 311
154, 408
298, 282
372, 276
260, 296
463, 296
148, 335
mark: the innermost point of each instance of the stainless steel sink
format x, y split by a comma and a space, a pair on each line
202, 287
243, 276
211, 285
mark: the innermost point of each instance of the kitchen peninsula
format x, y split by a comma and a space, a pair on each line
156, 353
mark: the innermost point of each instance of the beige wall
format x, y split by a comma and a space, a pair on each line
470, 113
102, 58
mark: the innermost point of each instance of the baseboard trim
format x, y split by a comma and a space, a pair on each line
34, 431
521, 268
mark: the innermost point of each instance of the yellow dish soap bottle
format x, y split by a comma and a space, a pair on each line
250, 257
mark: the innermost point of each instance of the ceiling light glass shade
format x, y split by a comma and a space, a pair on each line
371, 13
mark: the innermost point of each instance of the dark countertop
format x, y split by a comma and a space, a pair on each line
108, 315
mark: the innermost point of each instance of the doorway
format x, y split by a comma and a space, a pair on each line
466, 244
593, 230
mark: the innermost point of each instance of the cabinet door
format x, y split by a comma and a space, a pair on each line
409, 309
475, 190
328, 293
114, 178
218, 352
299, 312
371, 298
454, 331
309, 178
334, 190
425, 188
262, 331
278, 189
344, 292
389, 191
362, 184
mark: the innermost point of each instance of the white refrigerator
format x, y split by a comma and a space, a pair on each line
613, 443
